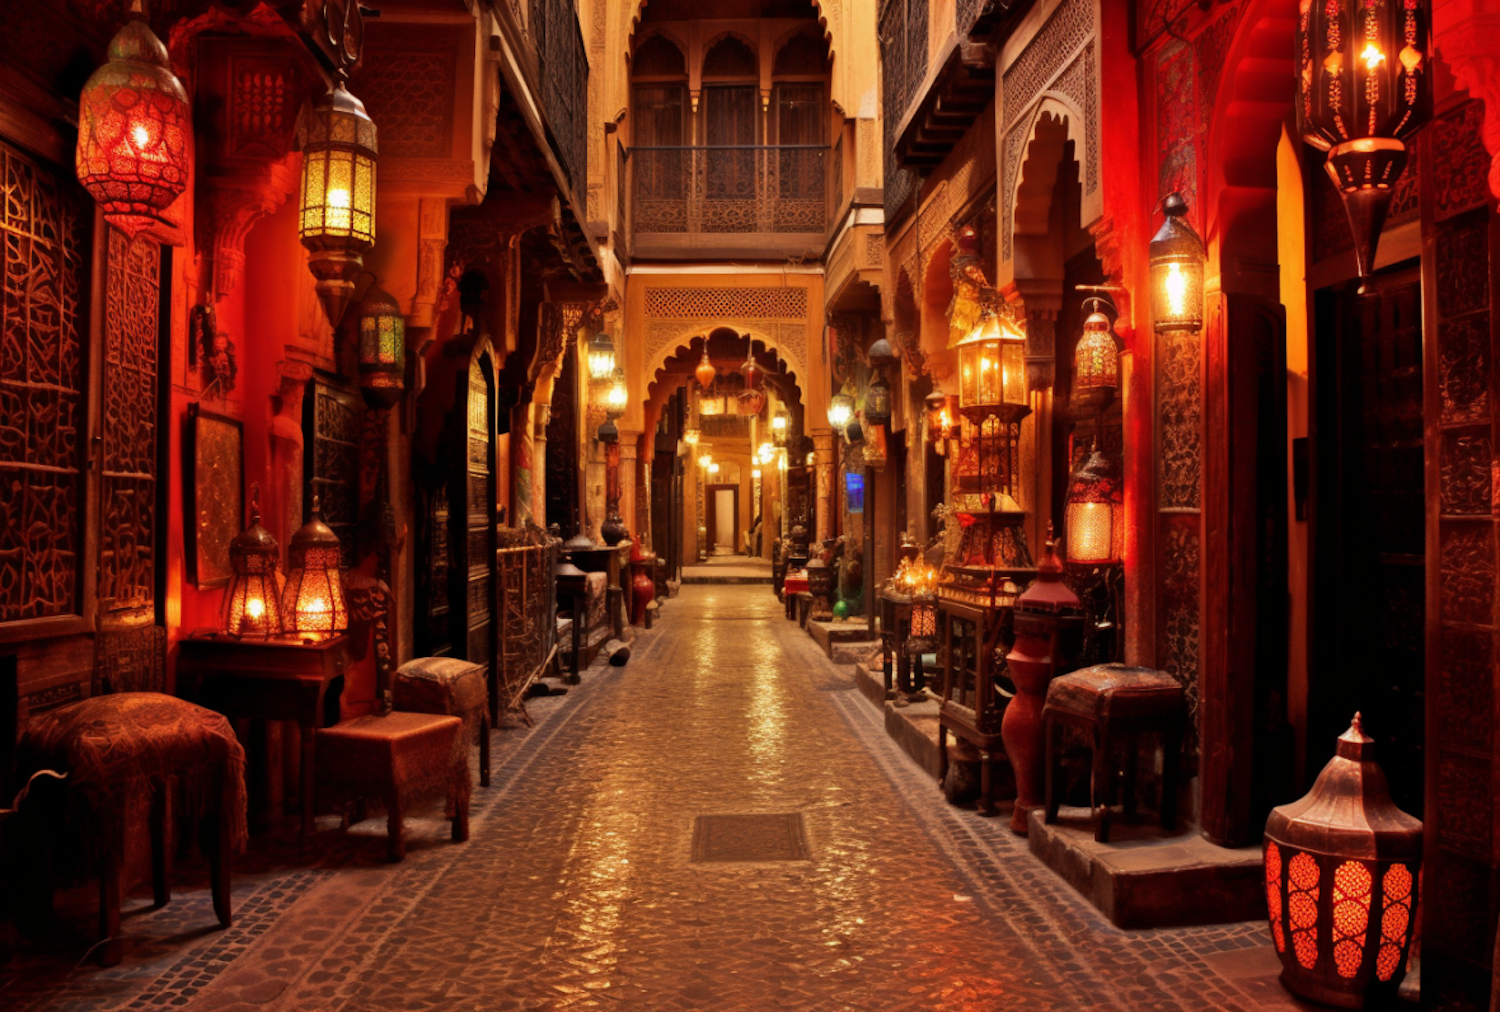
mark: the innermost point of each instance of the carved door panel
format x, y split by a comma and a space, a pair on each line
334, 417
472, 520
1368, 533
434, 633
130, 654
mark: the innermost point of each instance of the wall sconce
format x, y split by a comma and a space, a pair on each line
1176, 270
135, 130
601, 357
1343, 866
337, 223
1364, 91
252, 603
313, 603
840, 412
382, 348
939, 417
755, 473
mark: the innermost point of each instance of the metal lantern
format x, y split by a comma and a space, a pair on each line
1342, 868
992, 370
705, 371
135, 130
618, 397
601, 358
338, 194
382, 348
840, 411
1176, 255
878, 402
1094, 518
313, 602
750, 369
780, 426
1096, 364
1364, 90
252, 604
881, 353
940, 416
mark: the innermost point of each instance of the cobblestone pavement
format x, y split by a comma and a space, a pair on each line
577, 889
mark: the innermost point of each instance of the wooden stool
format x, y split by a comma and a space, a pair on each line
1114, 702
113, 746
452, 687
397, 759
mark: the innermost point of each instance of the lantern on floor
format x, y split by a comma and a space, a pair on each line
705, 371
1094, 518
382, 348
337, 216
135, 130
780, 426
1176, 255
252, 603
1364, 90
313, 602
1342, 869
601, 358
918, 581
1096, 364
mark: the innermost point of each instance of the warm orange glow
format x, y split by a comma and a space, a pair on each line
255, 608
1090, 531
1175, 285
1373, 58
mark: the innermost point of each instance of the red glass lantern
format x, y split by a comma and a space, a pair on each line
313, 602
252, 604
1364, 90
1343, 867
135, 131
705, 371
1096, 365
1094, 519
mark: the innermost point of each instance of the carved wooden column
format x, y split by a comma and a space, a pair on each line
629, 443
827, 501
541, 414
522, 465
1467, 36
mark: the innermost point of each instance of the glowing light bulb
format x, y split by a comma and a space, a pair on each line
140, 135
1176, 284
255, 608
317, 606
338, 215
1373, 58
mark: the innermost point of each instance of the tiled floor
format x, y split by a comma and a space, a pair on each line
578, 890
727, 569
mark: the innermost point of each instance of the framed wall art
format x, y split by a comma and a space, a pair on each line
215, 491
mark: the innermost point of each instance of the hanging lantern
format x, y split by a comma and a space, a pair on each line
750, 369
705, 371
252, 603
601, 358
618, 397
690, 437
1176, 255
313, 602
338, 194
751, 402
878, 402
1096, 365
1342, 870
382, 348
881, 354
780, 426
1364, 90
992, 370
135, 130
840, 412
1094, 519
940, 416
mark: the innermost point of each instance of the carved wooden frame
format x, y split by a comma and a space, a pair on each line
196, 540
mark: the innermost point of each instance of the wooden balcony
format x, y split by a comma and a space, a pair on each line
764, 202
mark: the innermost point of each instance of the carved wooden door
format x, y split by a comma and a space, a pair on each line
476, 518
334, 415
1368, 533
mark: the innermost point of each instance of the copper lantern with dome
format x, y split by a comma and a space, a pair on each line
313, 603
252, 602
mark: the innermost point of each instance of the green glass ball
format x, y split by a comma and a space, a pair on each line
841, 610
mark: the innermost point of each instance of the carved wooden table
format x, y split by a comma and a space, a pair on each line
269, 680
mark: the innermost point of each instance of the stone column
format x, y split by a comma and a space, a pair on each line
629, 445
827, 502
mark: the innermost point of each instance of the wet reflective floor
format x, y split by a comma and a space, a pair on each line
579, 889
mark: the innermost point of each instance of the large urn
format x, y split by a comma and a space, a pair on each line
1048, 631
642, 586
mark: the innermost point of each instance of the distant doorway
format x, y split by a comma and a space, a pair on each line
723, 521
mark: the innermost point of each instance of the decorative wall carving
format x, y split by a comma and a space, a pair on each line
1465, 690
1459, 176
411, 98
1181, 570
1180, 420
1463, 267
46, 225
1464, 473
1466, 581
779, 303
1464, 369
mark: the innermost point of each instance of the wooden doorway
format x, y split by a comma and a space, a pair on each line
1368, 540
723, 537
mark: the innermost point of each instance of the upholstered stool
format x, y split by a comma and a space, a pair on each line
1114, 703
396, 759
453, 687
132, 744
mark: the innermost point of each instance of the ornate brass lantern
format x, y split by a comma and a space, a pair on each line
705, 371
618, 397
135, 130
382, 348
1342, 870
1094, 519
601, 358
313, 602
1176, 270
878, 402
338, 194
1364, 90
1096, 364
840, 412
252, 603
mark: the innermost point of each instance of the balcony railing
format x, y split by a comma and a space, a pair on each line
563, 70
742, 188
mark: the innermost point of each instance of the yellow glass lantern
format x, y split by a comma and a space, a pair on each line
1176, 255
992, 370
252, 603
1094, 518
780, 426
618, 396
601, 357
313, 603
840, 412
1096, 364
337, 217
